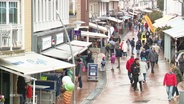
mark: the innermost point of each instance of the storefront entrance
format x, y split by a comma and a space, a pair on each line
4, 83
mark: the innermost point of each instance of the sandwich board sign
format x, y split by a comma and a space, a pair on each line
92, 72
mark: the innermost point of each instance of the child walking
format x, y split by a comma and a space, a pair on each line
113, 58
103, 62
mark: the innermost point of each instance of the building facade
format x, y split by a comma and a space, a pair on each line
47, 24
170, 4
15, 32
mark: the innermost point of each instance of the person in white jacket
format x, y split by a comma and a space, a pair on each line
124, 48
143, 68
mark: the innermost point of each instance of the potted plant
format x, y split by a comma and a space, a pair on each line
2, 99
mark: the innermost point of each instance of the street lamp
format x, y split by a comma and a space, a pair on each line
73, 61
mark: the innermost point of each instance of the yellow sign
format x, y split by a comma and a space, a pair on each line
149, 23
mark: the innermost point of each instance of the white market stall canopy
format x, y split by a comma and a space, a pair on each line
32, 63
159, 22
176, 32
93, 35
115, 19
63, 51
174, 22
80, 43
104, 29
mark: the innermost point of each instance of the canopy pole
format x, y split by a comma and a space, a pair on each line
34, 92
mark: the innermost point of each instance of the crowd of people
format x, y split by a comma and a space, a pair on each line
147, 46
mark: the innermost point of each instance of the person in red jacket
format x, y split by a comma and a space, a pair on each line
170, 81
128, 67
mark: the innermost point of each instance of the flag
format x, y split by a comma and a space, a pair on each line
149, 23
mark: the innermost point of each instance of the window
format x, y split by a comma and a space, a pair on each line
13, 12
2, 12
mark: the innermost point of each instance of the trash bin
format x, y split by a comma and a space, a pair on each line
181, 100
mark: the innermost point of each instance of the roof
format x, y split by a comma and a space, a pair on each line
63, 51
104, 29
32, 63
115, 19
175, 32
93, 35
159, 22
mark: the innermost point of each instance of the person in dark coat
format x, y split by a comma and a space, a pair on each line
78, 72
89, 57
152, 58
135, 67
21, 89
138, 47
178, 78
181, 64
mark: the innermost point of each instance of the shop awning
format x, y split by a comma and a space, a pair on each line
159, 22
104, 29
32, 63
93, 35
63, 51
175, 32
174, 22
80, 43
115, 19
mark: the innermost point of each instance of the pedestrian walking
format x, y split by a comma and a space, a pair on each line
124, 48
181, 64
118, 53
78, 72
152, 58
170, 81
143, 68
103, 63
132, 43
138, 47
128, 67
128, 44
178, 78
113, 58
135, 67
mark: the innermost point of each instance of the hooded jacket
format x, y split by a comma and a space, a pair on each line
129, 63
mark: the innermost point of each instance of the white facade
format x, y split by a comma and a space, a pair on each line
172, 7
45, 16
102, 8
113, 5
11, 23
93, 9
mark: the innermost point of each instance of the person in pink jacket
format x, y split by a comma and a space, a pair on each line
113, 58
170, 81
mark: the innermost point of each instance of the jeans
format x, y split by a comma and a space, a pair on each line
132, 50
175, 89
118, 58
130, 77
80, 81
169, 90
135, 82
152, 67
144, 75
22, 99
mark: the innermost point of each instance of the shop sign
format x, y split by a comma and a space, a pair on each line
59, 38
46, 42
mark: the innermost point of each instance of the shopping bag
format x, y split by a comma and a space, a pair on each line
141, 78
83, 68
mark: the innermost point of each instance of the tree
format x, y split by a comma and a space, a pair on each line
160, 4
155, 15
